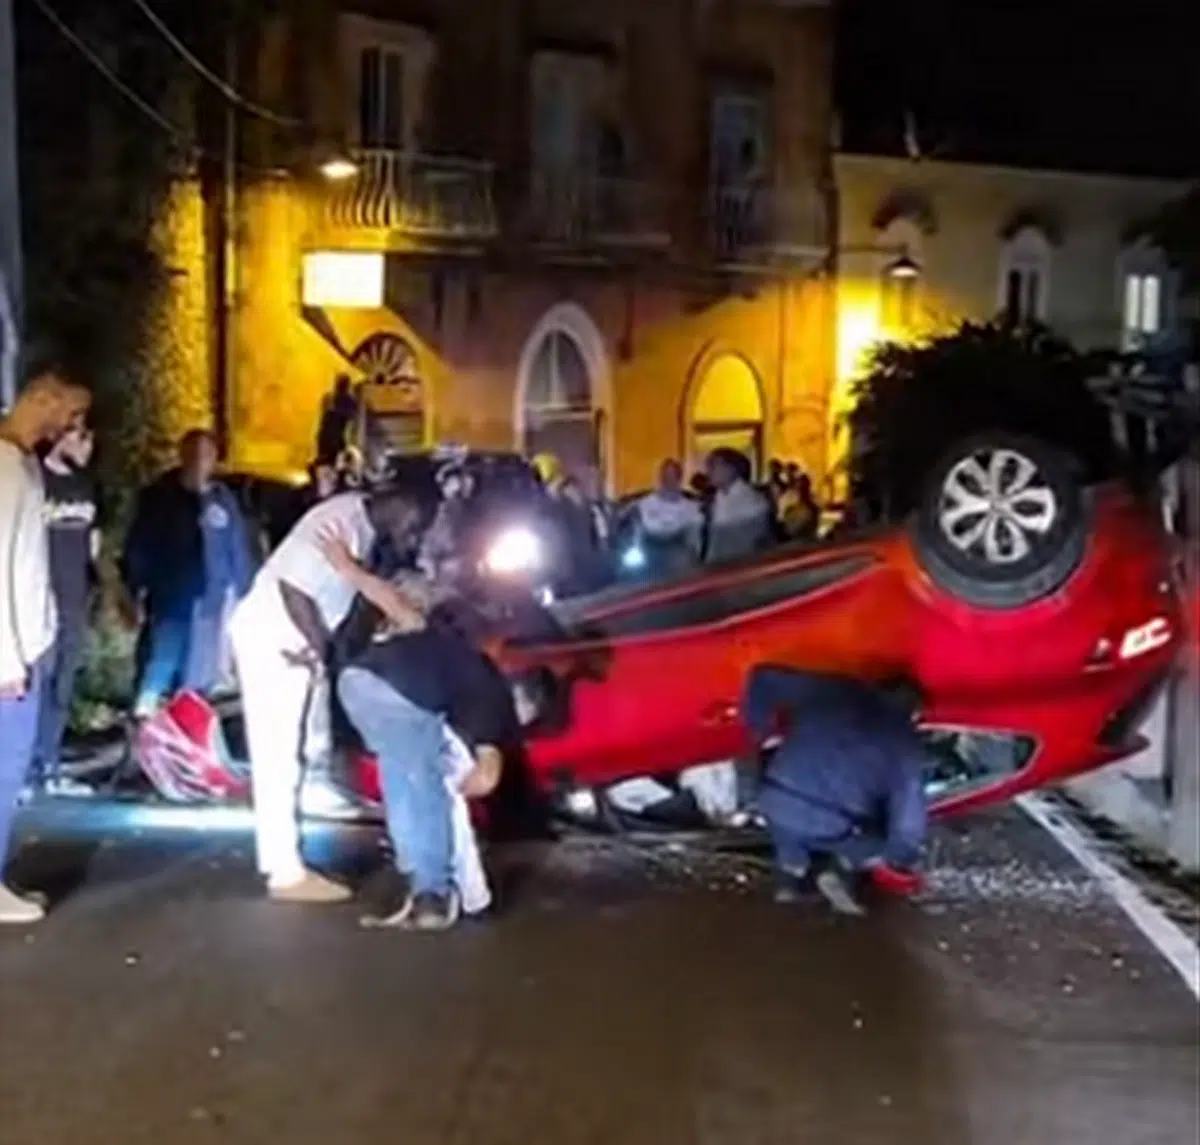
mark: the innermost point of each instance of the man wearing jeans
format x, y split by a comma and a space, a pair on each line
49, 405
845, 782
406, 696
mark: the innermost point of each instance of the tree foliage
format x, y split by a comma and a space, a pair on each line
913, 402
98, 177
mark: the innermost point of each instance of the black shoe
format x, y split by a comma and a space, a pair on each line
389, 900
792, 887
433, 911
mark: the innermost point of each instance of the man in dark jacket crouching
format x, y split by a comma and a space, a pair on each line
843, 791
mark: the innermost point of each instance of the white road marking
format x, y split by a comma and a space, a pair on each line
1171, 942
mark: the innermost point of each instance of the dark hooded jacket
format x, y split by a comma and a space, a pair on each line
850, 764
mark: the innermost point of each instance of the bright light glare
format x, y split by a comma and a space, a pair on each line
204, 818
515, 551
351, 279
339, 169
633, 558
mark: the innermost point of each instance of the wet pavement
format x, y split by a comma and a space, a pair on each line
644, 995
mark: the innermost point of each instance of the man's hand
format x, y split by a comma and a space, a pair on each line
14, 689
308, 658
484, 777
335, 550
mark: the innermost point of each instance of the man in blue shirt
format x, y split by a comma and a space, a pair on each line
845, 782
187, 560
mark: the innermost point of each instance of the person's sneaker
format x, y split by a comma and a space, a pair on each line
433, 911
64, 787
389, 900
19, 910
310, 887
836, 891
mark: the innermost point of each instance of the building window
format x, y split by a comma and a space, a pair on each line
1025, 277
561, 383
1142, 309
725, 411
381, 98
385, 67
1022, 294
739, 169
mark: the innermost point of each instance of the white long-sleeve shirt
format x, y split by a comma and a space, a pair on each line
28, 618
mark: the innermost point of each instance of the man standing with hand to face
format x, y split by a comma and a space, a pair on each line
49, 405
74, 544
281, 639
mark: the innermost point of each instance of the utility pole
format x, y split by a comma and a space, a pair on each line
10, 214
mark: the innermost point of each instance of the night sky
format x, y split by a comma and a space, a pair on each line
1058, 83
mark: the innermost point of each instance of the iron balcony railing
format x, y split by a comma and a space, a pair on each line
752, 223
573, 209
421, 195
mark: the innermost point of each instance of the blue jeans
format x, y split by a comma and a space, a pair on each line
177, 652
18, 738
408, 742
794, 853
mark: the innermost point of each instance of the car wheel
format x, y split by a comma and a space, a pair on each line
1003, 521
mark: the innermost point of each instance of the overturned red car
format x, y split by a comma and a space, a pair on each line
1039, 615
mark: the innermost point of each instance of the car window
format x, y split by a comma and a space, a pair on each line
719, 603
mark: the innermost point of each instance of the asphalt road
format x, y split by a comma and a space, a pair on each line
619, 998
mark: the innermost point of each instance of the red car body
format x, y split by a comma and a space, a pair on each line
654, 674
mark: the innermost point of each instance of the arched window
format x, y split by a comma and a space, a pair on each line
558, 379
1024, 288
726, 411
561, 387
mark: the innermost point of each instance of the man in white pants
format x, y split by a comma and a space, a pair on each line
281, 635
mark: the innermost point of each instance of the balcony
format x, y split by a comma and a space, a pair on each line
764, 225
581, 211
417, 195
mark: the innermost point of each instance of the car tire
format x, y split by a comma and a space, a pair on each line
1003, 521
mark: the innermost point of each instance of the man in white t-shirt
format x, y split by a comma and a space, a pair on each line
740, 518
49, 405
670, 524
281, 638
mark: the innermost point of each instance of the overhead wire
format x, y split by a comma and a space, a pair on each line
94, 58
180, 134
201, 68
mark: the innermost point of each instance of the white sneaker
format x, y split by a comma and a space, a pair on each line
19, 910
63, 787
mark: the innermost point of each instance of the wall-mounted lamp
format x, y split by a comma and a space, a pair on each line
903, 267
339, 168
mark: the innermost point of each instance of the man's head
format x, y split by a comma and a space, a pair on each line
402, 518
50, 403
323, 477
905, 694
725, 467
670, 476
198, 457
